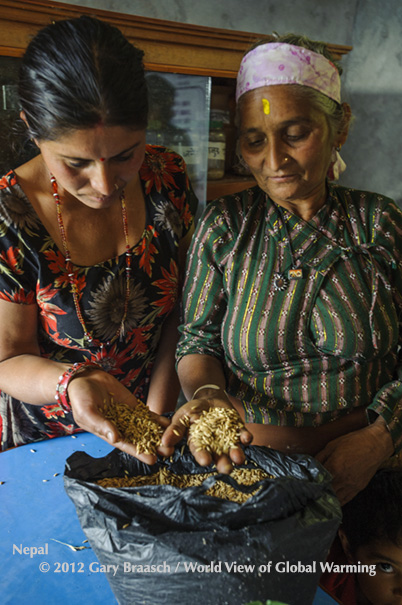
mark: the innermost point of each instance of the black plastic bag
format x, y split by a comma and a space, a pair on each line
179, 546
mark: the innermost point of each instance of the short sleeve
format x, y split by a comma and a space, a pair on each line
165, 171
18, 224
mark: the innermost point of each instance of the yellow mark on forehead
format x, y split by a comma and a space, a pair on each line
265, 106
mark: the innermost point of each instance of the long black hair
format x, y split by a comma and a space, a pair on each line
77, 73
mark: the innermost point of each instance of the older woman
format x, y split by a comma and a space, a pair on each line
94, 232
294, 286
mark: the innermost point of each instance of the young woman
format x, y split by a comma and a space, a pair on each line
94, 231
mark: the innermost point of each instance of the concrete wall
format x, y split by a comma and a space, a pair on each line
373, 86
373, 71
332, 19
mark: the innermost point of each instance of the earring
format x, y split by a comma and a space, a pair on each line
337, 165
286, 159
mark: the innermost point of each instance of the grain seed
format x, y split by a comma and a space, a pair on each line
217, 430
185, 420
220, 489
136, 425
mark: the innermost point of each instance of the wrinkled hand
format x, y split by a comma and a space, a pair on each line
187, 415
89, 393
354, 458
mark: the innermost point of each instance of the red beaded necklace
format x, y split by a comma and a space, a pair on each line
88, 336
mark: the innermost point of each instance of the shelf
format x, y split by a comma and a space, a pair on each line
228, 185
169, 46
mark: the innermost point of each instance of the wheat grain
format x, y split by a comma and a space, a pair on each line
135, 425
217, 430
220, 489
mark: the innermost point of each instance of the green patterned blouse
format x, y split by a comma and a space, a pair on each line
327, 342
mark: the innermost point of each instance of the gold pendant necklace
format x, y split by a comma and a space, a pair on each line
88, 336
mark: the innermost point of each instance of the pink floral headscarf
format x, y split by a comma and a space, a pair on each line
279, 63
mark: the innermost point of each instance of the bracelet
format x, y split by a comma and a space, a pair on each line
206, 386
64, 380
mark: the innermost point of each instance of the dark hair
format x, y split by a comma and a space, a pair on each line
333, 111
376, 512
79, 72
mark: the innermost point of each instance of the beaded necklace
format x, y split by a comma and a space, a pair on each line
88, 336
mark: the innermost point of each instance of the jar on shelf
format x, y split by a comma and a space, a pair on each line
216, 151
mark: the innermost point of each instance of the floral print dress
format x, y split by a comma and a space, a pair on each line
33, 271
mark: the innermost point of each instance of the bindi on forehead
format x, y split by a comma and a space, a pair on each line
266, 106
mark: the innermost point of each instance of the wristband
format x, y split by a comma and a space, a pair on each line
206, 386
64, 380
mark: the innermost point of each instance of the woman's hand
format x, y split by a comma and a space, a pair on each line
187, 415
354, 458
89, 393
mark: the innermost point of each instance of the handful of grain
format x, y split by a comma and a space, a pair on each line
220, 489
135, 425
217, 430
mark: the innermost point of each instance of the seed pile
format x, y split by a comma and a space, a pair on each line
135, 425
217, 430
220, 489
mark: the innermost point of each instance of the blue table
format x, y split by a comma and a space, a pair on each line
35, 511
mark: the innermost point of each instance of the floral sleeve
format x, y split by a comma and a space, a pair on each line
164, 171
18, 222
